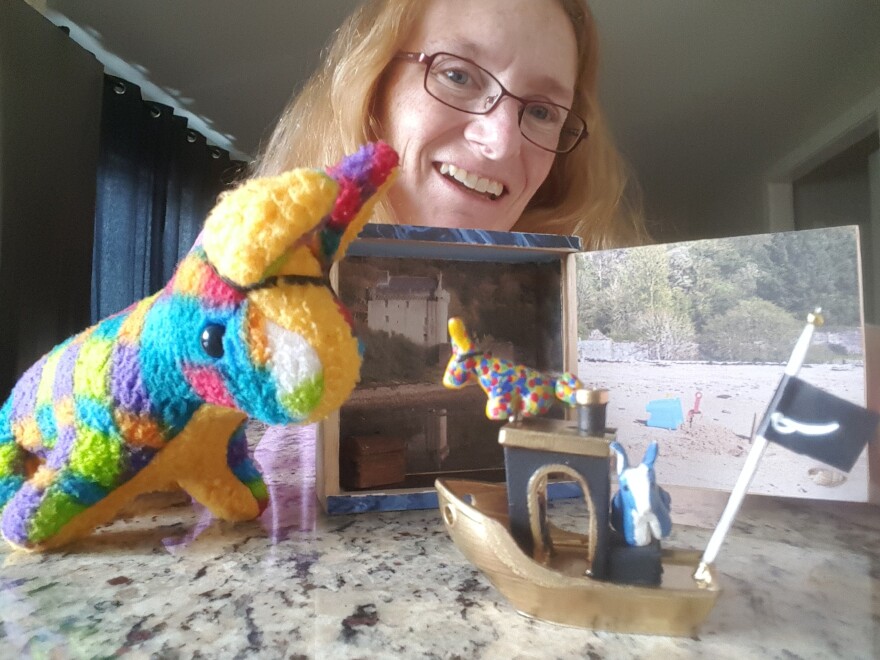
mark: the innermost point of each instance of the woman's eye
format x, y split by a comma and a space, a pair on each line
457, 76
542, 113
212, 339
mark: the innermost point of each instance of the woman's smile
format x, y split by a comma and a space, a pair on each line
483, 186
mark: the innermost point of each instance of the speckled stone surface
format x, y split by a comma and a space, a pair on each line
801, 580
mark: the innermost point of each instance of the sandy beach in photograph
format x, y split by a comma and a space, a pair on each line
709, 451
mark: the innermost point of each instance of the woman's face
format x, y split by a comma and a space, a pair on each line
529, 46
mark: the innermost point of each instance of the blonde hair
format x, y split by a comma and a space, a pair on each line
586, 192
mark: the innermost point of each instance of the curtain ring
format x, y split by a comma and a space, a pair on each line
191, 136
155, 111
215, 153
119, 87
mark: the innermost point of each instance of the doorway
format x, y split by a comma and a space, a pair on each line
845, 190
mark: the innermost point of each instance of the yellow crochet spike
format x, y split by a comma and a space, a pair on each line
251, 230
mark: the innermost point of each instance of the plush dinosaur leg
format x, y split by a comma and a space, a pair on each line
44, 506
12, 470
532, 402
244, 468
213, 487
54, 508
499, 405
537, 399
211, 464
43, 514
12, 458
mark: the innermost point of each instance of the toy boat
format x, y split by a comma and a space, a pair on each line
614, 577
557, 588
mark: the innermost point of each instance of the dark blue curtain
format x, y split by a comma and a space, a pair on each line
50, 109
157, 180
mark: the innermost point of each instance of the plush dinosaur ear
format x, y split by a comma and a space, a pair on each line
622, 463
254, 229
458, 335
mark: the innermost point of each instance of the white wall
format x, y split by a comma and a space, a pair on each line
706, 98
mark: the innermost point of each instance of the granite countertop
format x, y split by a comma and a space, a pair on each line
800, 579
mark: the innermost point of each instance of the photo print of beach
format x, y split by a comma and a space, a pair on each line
692, 339
400, 309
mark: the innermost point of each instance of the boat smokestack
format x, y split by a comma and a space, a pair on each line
591, 404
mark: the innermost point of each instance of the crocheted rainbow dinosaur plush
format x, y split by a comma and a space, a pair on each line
156, 396
512, 389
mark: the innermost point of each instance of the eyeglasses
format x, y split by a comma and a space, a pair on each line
464, 85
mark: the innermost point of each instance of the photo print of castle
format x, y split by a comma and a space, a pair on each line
691, 339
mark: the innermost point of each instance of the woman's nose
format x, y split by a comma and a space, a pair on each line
497, 133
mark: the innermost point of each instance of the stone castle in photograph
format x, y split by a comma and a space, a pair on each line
415, 307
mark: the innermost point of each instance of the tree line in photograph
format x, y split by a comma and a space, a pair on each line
739, 299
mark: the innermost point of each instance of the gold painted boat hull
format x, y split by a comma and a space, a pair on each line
557, 590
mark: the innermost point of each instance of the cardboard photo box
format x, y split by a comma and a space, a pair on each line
679, 334
401, 429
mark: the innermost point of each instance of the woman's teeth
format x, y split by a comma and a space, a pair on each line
491, 188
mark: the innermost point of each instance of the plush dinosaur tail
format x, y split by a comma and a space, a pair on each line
567, 386
360, 177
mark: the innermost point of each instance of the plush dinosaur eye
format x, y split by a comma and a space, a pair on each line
212, 339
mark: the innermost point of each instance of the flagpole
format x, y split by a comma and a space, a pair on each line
759, 444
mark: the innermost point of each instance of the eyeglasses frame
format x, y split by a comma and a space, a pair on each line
428, 60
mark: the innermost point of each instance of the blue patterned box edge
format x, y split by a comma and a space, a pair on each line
353, 503
460, 244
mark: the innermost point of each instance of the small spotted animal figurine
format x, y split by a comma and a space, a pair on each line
640, 509
155, 397
512, 389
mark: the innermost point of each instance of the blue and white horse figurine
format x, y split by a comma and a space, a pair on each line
640, 509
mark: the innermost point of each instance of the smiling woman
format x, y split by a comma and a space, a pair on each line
530, 45
491, 104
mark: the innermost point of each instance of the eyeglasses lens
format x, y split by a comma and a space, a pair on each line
465, 86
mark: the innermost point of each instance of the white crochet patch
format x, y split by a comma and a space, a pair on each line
293, 362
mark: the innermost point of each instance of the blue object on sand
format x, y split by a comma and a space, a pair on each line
665, 414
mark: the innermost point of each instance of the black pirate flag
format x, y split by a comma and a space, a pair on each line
812, 422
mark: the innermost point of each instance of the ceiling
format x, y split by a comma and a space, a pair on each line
700, 93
